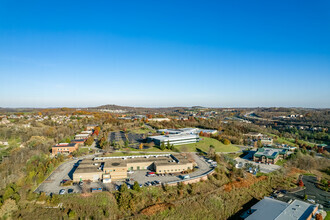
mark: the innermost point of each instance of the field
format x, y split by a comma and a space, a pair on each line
141, 130
204, 145
281, 162
290, 141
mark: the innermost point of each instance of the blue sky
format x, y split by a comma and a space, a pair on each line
165, 53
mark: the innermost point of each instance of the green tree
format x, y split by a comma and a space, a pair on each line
136, 186
168, 146
126, 143
162, 146
72, 214
123, 188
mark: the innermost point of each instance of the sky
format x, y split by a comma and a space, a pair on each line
165, 53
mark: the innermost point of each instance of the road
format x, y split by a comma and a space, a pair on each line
312, 192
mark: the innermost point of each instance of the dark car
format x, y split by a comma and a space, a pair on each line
70, 190
64, 181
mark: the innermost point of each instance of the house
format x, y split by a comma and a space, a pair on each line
82, 136
254, 135
269, 208
186, 131
90, 127
4, 143
269, 155
65, 148
159, 119
266, 140
87, 132
79, 141
323, 147
4, 121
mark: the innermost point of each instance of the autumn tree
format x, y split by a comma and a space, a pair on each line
89, 141
259, 143
226, 141
211, 151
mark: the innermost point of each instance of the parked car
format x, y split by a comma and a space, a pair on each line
81, 183
184, 177
70, 190
62, 192
99, 189
64, 180
151, 174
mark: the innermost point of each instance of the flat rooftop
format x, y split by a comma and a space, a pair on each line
269, 208
175, 137
269, 152
296, 210
125, 161
89, 169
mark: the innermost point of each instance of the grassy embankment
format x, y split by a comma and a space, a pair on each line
203, 145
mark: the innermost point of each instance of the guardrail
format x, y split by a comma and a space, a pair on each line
192, 178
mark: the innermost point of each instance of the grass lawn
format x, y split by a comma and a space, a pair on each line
328, 216
204, 145
281, 162
290, 141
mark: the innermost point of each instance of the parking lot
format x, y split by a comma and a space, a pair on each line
313, 193
265, 168
121, 137
142, 178
65, 171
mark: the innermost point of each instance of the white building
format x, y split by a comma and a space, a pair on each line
175, 139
